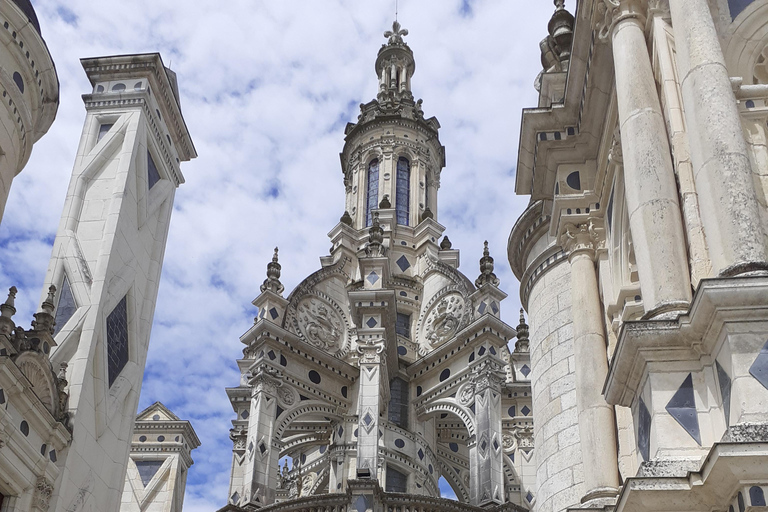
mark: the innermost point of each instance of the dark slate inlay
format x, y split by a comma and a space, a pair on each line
373, 277
344, 391
262, 448
153, 175
283, 360
494, 307
725, 391
529, 497
273, 313
367, 419
574, 180
396, 480
235, 498
2, 396
24, 427
756, 496
418, 390
403, 263
525, 370
482, 307
643, 430
401, 350
445, 374
736, 6
148, 469
421, 454
682, 407
525, 410
314, 377
66, 307
399, 443
740, 499
271, 354
52, 455
454, 447
371, 323
117, 340
759, 368
511, 412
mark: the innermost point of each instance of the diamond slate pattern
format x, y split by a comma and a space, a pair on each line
403, 263
371, 323
725, 391
682, 407
148, 469
117, 340
759, 368
525, 370
525, 410
373, 277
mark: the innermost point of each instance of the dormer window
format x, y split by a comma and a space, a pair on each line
372, 198
402, 199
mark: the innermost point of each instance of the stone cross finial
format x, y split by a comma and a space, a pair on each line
486, 269
522, 334
396, 34
272, 282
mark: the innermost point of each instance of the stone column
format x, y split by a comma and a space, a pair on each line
651, 191
721, 165
372, 363
486, 471
261, 456
597, 426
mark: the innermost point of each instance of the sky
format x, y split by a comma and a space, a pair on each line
266, 89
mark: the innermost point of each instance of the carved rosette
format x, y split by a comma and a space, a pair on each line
444, 319
466, 394
320, 324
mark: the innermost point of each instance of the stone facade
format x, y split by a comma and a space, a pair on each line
387, 368
642, 256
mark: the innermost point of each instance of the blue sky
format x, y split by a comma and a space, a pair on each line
266, 89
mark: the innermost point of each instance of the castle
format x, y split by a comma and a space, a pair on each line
638, 383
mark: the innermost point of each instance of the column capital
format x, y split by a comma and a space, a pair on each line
584, 238
371, 351
614, 11
265, 379
487, 374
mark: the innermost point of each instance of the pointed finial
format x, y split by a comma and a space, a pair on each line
395, 35
486, 269
44, 320
346, 218
272, 282
8, 309
559, 5
445, 244
522, 334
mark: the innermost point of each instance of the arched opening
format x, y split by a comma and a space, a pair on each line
446, 490
403, 192
372, 195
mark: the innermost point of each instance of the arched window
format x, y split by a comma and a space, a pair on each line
402, 201
372, 199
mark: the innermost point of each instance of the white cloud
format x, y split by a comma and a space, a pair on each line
266, 88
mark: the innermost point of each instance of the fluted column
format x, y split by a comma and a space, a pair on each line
597, 426
721, 164
651, 191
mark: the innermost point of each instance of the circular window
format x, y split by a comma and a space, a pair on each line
156, 417
399, 443
118, 87
160, 438
445, 374
314, 377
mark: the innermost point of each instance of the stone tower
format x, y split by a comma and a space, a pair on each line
386, 369
106, 264
29, 88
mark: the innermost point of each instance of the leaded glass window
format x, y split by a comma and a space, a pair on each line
66, 307
148, 469
372, 199
403, 325
153, 175
397, 481
398, 402
117, 340
104, 129
402, 200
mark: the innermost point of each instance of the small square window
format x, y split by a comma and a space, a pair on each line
117, 340
403, 325
153, 175
104, 129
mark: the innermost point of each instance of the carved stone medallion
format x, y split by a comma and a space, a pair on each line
320, 324
444, 319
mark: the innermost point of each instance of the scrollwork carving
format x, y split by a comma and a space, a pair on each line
320, 324
444, 319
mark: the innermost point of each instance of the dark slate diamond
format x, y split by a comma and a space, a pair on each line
494, 307
725, 391
759, 368
525, 410
495, 444
525, 370
373, 277
371, 323
250, 446
403, 263
682, 407
235, 498
367, 419
273, 313
529, 497
643, 430
482, 307
421, 454
262, 448
147, 469
271, 354
483, 445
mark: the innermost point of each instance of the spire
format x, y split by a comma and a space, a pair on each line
44, 320
486, 269
522, 334
7, 310
272, 282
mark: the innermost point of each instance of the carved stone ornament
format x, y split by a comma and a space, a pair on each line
524, 436
610, 12
319, 323
444, 319
239, 437
585, 237
508, 442
285, 395
487, 374
466, 394
371, 351
43, 492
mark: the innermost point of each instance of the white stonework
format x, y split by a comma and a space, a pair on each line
644, 163
159, 462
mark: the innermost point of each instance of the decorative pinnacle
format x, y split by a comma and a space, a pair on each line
44, 320
486, 269
272, 282
446, 244
8, 309
375, 238
559, 5
396, 34
346, 218
522, 334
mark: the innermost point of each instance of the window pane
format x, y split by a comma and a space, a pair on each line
402, 202
147, 469
153, 176
372, 200
66, 307
403, 325
398, 403
396, 480
104, 129
117, 340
